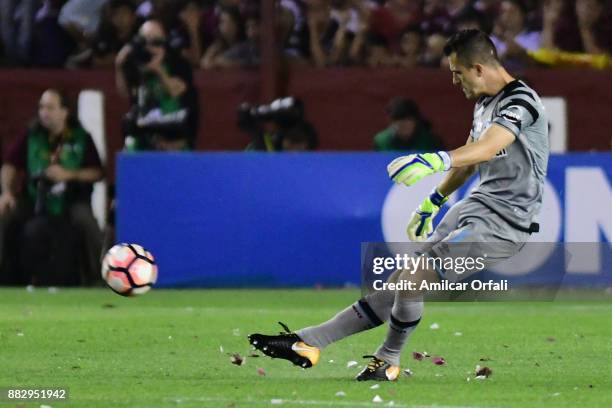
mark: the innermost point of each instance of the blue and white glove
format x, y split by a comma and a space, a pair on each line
421, 222
412, 168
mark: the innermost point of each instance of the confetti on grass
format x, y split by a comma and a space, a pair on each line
418, 356
237, 359
483, 372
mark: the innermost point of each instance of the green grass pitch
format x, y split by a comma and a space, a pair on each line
163, 350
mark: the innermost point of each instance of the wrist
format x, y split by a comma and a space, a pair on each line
437, 198
446, 160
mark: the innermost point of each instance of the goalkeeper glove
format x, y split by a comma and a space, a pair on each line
410, 169
421, 221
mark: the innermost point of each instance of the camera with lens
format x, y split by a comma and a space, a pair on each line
284, 112
138, 58
269, 124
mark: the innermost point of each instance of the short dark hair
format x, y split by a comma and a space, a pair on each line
472, 46
403, 108
68, 102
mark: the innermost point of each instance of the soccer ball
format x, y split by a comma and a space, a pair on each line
129, 269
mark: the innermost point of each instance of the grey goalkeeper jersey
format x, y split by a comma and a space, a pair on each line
512, 182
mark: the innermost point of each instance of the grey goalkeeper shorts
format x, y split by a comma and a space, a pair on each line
470, 230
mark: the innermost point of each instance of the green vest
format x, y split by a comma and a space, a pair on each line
40, 150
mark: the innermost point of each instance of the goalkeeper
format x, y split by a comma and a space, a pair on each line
508, 144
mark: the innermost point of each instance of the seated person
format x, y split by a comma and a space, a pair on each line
408, 130
49, 234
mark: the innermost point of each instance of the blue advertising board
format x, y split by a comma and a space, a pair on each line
298, 220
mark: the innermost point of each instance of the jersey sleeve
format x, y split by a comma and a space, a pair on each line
516, 113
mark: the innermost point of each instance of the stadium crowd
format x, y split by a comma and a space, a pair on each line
213, 34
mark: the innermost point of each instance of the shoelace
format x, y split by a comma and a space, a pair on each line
374, 363
286, 328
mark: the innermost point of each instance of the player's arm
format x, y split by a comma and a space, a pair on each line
421, 220
495, 138
516, 113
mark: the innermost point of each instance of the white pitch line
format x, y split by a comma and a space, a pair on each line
325, 403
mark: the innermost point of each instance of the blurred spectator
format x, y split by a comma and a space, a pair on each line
411, 45
435, 17
460, 9
470, 19
408, 129
117, 27
80, 18
51, 44
16, 29
378, 53
230, 33
246, 53
159, 82
293, 29
511, 36
182, 22
351, 16
583, 26
48, 224
337, 32
389, 21
433, 55
322, 30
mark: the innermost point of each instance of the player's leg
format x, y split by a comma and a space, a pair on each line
407, 309
304, 346
364, 314
90, 240
478, 231
404, 318
367, 313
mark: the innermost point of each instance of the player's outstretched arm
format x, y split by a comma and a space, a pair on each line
410, 169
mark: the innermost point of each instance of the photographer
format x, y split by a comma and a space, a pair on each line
159, 83
408, 129
278, 126
48, 233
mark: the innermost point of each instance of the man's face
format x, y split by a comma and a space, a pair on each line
510, 16
51, 113
468, 78
155, 38
123, 20
404, 128
228, 27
